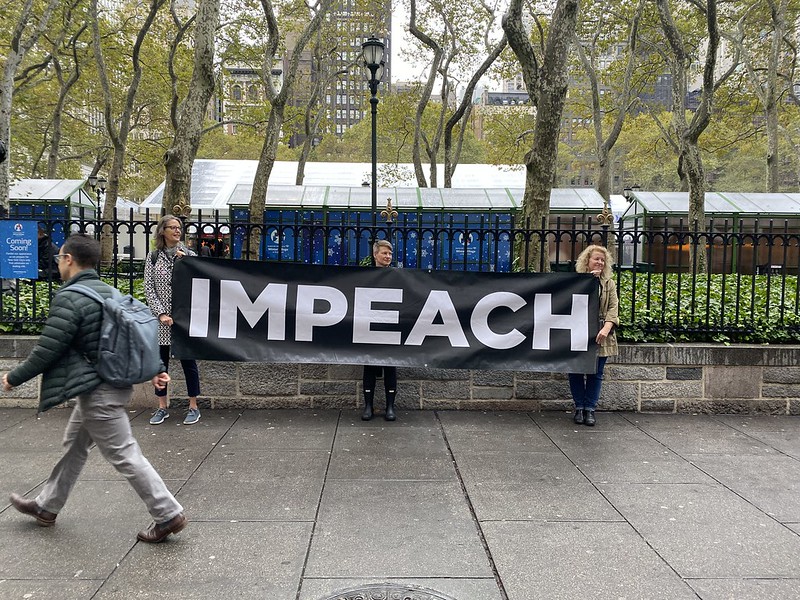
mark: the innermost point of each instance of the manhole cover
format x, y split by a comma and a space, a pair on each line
388, 591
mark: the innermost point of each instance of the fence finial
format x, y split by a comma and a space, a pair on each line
389, 213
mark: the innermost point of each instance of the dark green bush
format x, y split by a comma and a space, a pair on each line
672, 307
27, 316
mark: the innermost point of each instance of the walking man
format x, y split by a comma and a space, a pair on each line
65, 355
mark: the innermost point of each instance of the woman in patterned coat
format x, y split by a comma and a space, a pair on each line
158, 289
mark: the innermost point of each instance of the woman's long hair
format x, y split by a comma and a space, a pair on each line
161, 244
582, 263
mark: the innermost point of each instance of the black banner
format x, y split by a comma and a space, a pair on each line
233, 310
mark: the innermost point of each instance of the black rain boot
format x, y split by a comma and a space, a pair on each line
367, 414
590, 420
578, 418
390, 416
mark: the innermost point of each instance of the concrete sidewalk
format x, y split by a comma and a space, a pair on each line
314, 505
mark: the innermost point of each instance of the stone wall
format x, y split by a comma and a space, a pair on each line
684, 378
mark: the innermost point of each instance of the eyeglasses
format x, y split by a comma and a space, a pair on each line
173, 227
58, 257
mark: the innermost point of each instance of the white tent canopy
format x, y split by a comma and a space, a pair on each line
717, 204
219, 184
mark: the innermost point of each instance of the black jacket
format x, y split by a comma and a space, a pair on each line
48, 269
67, 349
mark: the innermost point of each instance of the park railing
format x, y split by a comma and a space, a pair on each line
731, 281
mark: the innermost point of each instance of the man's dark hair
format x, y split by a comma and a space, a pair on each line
85, 250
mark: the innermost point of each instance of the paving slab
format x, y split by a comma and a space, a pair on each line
749, 589
53, 589
629, 456
529, 487
707, 530
558, 422
511, 433
473, 420
283, 430
760, 423
580, 560
11, 416
215, 560
256, 485
95, 530
691, 435
771, 483
36, 434
23, 471
401, 453
405, 419
372, 529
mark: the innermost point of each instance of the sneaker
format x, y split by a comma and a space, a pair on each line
159, 416
192, 417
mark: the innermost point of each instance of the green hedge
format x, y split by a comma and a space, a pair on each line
34, 299
708, 308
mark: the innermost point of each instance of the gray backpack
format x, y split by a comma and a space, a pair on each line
128, 352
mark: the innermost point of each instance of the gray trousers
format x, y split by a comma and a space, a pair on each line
100, 418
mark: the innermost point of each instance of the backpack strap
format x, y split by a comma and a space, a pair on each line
154, 257
85, 290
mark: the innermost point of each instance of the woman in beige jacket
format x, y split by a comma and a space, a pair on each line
585, 388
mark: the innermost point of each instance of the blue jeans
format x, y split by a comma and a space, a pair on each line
586, 388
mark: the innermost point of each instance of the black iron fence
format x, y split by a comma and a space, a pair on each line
731, 281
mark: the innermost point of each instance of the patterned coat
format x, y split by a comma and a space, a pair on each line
158, 288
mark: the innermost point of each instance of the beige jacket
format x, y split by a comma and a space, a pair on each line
609, 311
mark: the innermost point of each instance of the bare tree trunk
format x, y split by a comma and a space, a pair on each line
689, 160
438, 55
278, 100
118, 128
311, 122
27, 31
547, 85
767, 87
63, 92
778, 11
461, 114
621, 105
179, 159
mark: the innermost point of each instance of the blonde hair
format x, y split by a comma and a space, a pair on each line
382, 244
582, 263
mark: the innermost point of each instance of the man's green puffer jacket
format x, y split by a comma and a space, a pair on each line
67, 349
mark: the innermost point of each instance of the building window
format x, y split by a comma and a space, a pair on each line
237, 93
252, 94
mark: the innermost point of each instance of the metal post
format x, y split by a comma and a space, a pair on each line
373, 88
372, 53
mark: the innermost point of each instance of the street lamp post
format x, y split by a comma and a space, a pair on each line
372, 52
98, 185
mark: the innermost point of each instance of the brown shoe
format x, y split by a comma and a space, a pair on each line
29, 507
158, 532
